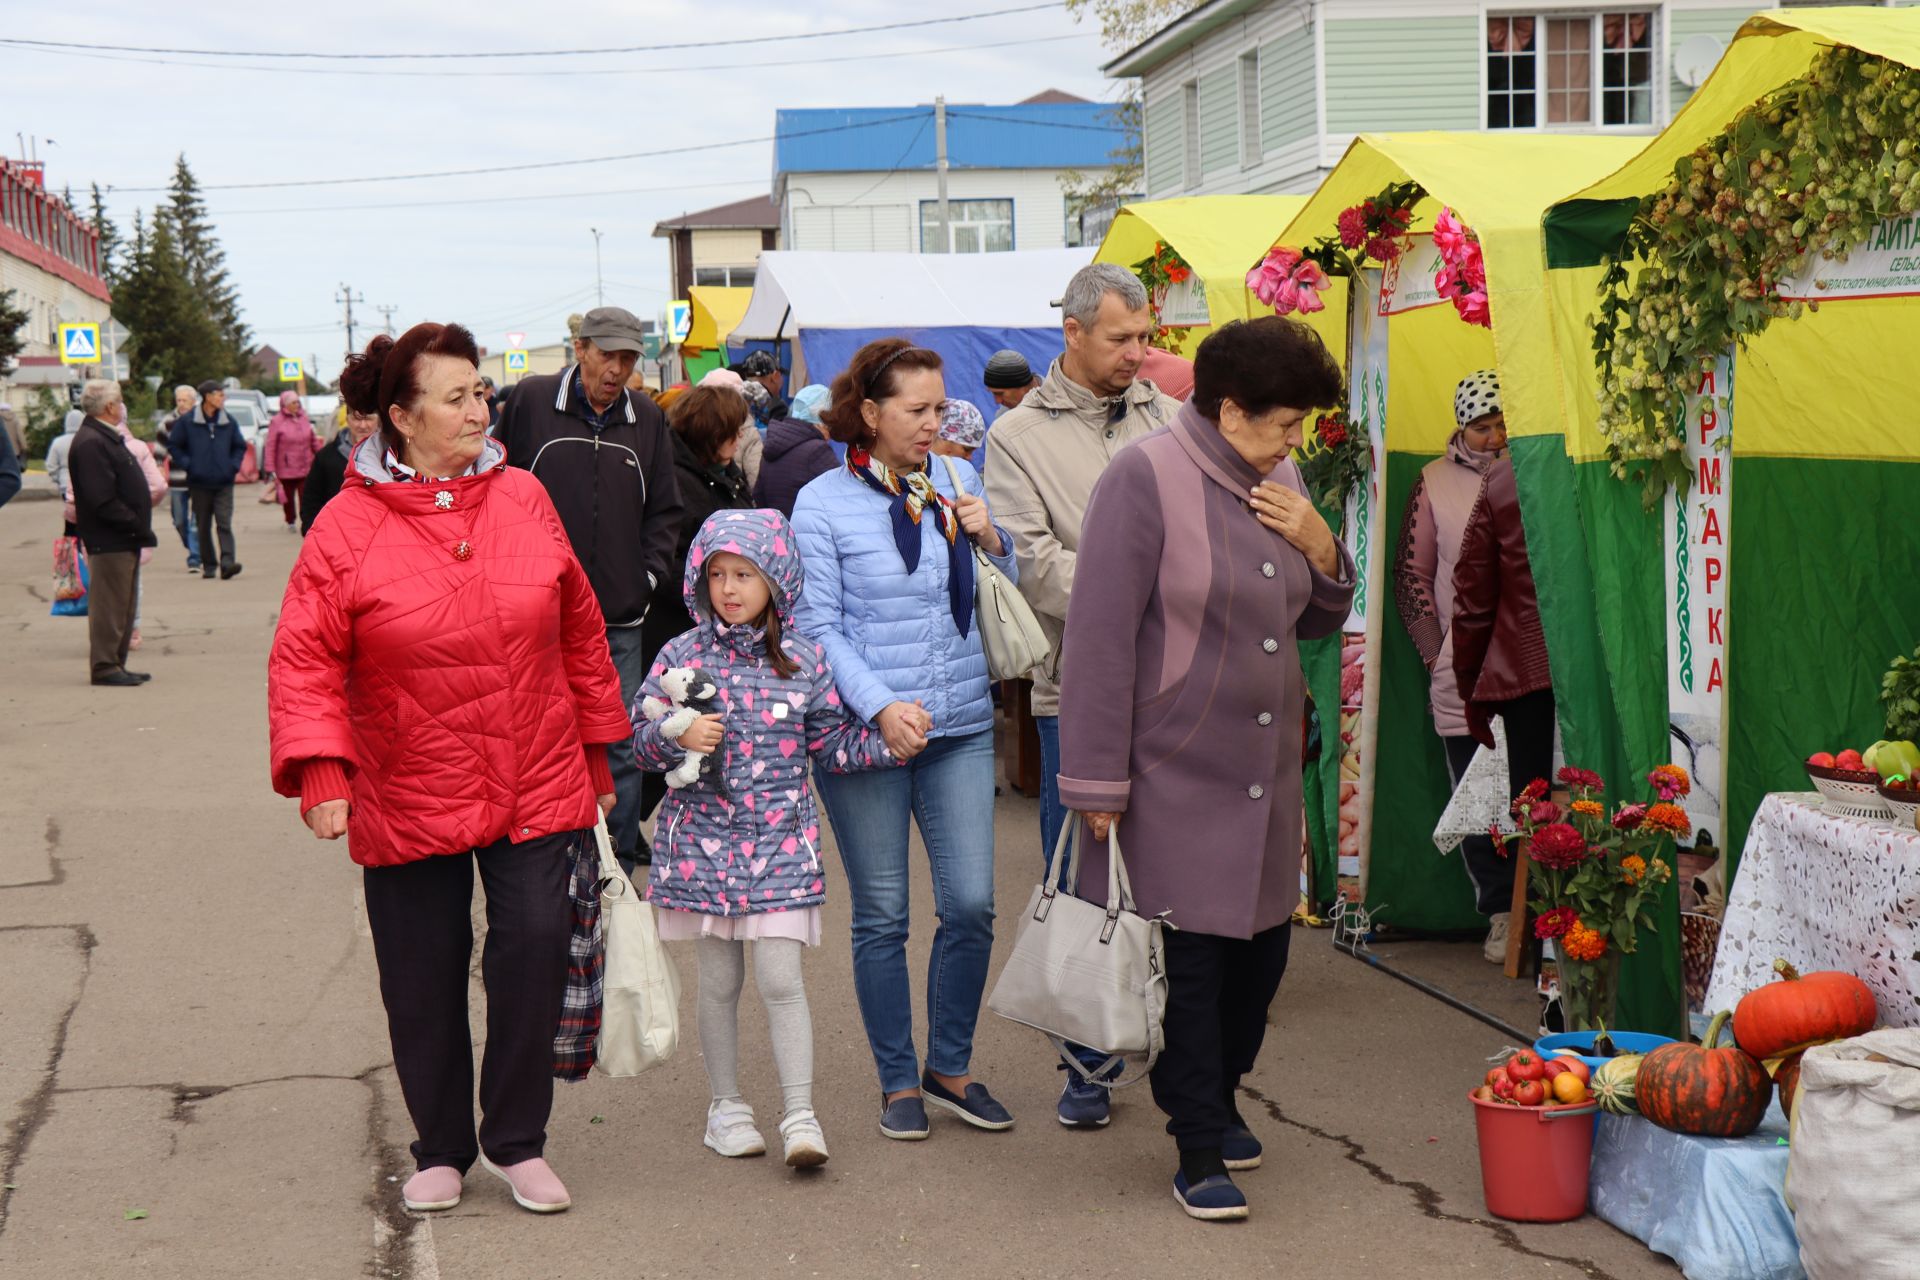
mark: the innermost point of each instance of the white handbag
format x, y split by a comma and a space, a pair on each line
1009, 632
1096, 976
640, 1018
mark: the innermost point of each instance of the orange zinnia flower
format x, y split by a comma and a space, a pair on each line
1632, 867
1582, 943
1589, 808
1669, 818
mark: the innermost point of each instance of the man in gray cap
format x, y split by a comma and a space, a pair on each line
1009, 377
759, 366
606, 457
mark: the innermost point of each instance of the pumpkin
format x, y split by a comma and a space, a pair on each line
1714, 1090
1786, 1079
1797, 1010
1613, 1084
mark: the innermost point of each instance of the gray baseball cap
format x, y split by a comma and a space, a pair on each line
612, 329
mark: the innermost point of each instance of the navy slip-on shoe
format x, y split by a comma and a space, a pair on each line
1240, 1149
1213, 1199
904, 1119
977, 1108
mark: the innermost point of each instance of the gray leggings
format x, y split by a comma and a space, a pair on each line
776, 973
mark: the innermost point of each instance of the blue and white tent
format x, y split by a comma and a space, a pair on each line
816, 309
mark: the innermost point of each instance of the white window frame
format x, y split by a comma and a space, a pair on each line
953, 205
1543, 11
728, 272
1250, 153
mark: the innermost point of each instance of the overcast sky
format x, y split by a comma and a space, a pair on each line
484, 253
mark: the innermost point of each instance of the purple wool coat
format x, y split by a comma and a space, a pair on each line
1182, 693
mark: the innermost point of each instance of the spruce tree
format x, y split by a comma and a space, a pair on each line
109, 238
12, 320
206, 262
174, 334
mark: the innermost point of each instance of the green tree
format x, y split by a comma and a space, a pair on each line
206, 261
12, 320
109, 234
175, 335
1123, 24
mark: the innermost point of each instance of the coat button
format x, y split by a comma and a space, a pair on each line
526, 831
1266, 570
1270, 645
1255, 791
1264, 719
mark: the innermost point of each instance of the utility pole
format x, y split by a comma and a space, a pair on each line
348, 296
599, 286
386, 311
940, 169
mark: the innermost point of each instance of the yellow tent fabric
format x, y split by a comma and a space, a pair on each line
716, 313
1787, 378
1221, 237
1500, 185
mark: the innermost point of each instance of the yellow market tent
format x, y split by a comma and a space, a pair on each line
1805, 595
1220, 237
1384, 807
716, 310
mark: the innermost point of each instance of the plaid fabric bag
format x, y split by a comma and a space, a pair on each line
579, 1027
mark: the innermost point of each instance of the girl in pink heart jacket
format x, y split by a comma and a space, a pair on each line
743, 864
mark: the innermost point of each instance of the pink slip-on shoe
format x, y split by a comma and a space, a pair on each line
535, 1186
435, 1187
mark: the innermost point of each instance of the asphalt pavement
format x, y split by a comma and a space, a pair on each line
197, 1083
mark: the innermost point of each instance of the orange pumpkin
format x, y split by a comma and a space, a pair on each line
1786, 1079
1797, 1010
1709, 1089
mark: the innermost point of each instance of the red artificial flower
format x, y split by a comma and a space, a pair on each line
1353, 227
1558, 846
1401, 218
1177, 274
1499, 838
1331, 430
1543, 813
1555, 923
1629, 817
1383, 248
1533, 791
1583, 779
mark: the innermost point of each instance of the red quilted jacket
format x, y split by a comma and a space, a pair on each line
459, 692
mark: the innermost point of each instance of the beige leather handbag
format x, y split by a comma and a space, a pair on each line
1009, 631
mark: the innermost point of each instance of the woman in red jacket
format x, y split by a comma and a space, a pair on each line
440, 694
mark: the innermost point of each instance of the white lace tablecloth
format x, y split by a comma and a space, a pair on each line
1824, 893
1482, 798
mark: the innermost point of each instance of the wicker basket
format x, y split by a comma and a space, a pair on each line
1904, 805
1850, 793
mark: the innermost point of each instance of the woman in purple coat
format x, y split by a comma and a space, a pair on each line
1201, 562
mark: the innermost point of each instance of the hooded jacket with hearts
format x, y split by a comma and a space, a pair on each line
758, 849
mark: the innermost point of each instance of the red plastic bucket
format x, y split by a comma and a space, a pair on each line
1534, 1161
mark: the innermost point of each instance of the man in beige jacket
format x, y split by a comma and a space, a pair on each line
1043, 458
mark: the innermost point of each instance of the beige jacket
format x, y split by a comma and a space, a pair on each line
1043, 458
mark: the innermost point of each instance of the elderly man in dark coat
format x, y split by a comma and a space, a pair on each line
113, 510
1201, 563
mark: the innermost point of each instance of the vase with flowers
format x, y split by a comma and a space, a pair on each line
1593, 876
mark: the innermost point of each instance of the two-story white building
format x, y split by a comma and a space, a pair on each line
864, 179
50, 259
1264, 96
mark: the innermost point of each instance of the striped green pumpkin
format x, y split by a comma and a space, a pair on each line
1614, 1082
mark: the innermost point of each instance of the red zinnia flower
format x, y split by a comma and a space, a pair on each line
1353, 227
1555, 923
1559, 846
1543, 813
1583, 778
1629, 817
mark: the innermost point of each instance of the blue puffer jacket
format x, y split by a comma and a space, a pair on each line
889, 635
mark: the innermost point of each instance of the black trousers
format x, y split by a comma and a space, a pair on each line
1490, 871
213, 507
423, 939
1529, 721
1218, 991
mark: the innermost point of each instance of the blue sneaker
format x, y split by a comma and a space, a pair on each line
978, 1107
1213, 1199
1083, 1104
1239, 1148
904, 1119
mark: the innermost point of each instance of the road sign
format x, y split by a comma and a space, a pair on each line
650, 345
289, 369
516, 362
679, 320
79, 344
116, 335
516, 340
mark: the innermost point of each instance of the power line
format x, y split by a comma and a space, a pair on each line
964, 114
569, 72
541, 164
536, 53
493, 199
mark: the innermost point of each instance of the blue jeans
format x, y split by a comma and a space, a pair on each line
183, 524
623, 824
949, 789
1052, 815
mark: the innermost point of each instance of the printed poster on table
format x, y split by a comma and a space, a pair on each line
1408, 282
1887, 265
1696, 569
1184, 305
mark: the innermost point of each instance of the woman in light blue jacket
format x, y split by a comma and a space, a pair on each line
889, 596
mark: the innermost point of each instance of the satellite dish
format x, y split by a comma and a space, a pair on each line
1695, 59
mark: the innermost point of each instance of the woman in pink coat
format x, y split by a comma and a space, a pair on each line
291, 444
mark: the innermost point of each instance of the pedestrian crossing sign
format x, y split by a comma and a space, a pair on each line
289, 370
516, 362
79, 344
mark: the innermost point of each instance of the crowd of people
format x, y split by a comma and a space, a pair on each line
477, 638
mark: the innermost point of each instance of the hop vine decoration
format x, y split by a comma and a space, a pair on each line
1811, 168
1157, 272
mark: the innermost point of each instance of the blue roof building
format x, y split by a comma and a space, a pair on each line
863, 178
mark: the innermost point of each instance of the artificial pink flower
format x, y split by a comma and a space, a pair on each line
1310, 282
1272, 272
1474, 308
1450, 235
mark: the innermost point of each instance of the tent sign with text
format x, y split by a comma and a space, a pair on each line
1887, 265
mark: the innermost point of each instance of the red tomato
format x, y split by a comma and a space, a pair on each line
1529, 1093
1580, 1069
1553, 1067
1525, 1065
1494, 1076
1503, 1087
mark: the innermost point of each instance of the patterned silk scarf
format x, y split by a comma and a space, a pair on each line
913, 494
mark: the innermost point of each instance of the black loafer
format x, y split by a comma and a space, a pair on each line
141, 676
978, 1107
229, 571
120, 680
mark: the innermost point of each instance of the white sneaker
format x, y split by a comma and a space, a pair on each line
731, 1132
1496, 949
806, 1146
